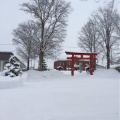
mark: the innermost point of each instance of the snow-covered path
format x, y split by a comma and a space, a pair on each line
58, 96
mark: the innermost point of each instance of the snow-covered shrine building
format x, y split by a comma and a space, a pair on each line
66, 64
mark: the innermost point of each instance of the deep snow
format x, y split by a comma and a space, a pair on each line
10, 82
56, 95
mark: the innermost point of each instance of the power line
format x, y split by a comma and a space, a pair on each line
70, 46
61, 46
6, 44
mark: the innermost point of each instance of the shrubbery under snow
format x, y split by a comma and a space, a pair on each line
12, 68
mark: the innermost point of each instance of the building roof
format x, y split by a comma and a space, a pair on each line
5, 55
79, 53
62, 60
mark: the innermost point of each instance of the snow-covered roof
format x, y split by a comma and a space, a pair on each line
59, 67
75, 65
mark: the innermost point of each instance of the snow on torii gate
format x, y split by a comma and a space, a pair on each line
82, 56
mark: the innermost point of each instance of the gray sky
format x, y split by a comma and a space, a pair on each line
11, 16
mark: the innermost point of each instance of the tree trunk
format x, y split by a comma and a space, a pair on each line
28, 62
41, 61
41, 48
108, 57
108, 48
94, 64
94, 49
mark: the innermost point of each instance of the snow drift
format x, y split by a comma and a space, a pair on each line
8, 82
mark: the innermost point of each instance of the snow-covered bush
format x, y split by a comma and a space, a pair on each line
12, 68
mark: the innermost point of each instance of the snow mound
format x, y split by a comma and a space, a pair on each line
106, 73
99, 73
114, 66
38, 76
8, 82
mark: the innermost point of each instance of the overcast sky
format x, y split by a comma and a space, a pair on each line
11, 16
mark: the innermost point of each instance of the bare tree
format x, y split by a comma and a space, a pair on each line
105, 20
115, 48
23, 39
51, 15
88, 38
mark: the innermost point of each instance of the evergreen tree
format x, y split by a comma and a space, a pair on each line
12, 68
44, 65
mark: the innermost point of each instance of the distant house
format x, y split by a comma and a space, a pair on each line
66, 64
4, 58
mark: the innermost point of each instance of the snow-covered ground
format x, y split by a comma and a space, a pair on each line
10, 82
56, 95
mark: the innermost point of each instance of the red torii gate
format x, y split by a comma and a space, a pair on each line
82, 56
